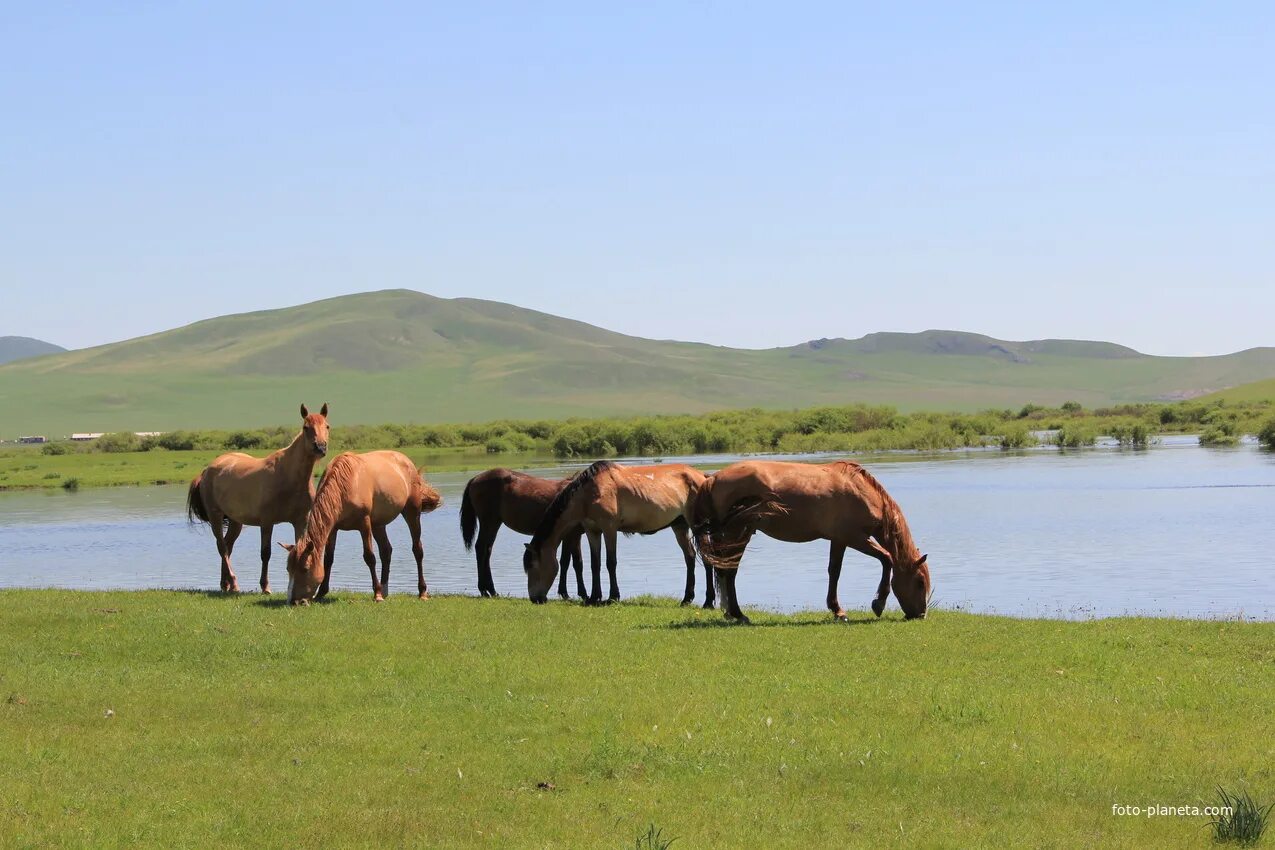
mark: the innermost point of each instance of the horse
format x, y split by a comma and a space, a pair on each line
505, 496
364, 493
796, 502
607, 498
238, 489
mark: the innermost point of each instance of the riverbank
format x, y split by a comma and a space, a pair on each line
167, 718
175, 457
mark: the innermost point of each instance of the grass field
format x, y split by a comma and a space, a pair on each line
403, 356
185, 719
26, 468
1254, 392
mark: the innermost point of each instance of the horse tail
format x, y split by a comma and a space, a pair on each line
195, 510
431, 499
468, 518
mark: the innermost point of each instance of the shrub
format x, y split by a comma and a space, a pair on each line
53, 449
119, 441
1219, 434
71, 484
1016, 436
1266, 435
1131, 433
1072, 407
1073, 436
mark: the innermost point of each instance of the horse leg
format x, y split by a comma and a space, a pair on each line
267, 532
232, 534
413, 520
873, 549
487, 532
730, 602
329, 556
365, 531
386, 550
610, 538
577, 556
227, 577
682, 533
564, 566
595, 566
835, 556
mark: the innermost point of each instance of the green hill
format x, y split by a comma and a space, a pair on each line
1255, 391
21, 347
400, 355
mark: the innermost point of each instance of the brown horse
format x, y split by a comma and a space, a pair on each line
518, 500
238, 489
364, 493
606, 499
797, 502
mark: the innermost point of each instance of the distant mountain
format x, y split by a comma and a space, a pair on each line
21, 347
400, 355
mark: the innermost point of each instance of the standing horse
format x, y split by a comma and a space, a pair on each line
607, 498
238, 489
364, 493
798, 502
518, 500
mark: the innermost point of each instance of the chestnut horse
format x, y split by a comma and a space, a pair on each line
364, 493
606, 499
518, 500
798, 502
238, 489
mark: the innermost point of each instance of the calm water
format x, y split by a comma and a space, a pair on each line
1175, 530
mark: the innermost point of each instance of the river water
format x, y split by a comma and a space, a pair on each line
1173, 530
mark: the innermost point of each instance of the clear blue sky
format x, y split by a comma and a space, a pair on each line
751, 175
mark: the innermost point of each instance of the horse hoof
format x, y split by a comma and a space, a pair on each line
710, 604
840, 616
265, 590
423, 595
878, 606
378, 598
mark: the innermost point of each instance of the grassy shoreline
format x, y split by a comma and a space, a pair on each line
125, 459
447, 723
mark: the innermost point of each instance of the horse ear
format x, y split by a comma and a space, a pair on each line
305, 411
526, 546
287, 547
323, 411
922, 561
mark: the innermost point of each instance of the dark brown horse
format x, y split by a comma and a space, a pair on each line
798, 502
364, 493
507, 497
608, 499
238, 489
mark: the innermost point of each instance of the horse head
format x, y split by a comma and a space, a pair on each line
315, 428
305, 571
911, 586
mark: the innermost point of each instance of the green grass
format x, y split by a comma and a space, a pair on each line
401, 356
461, 722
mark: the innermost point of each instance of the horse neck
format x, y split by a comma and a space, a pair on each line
296, 460
897, 537
323, 516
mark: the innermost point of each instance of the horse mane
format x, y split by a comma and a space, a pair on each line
560, 502
895, 534
329, 498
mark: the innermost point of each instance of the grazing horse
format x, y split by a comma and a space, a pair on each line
518, 500
364, 493
238, 489
607, 498
798, 502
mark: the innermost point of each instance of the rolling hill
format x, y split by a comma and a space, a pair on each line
400, 355
22, 347
1255, 391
